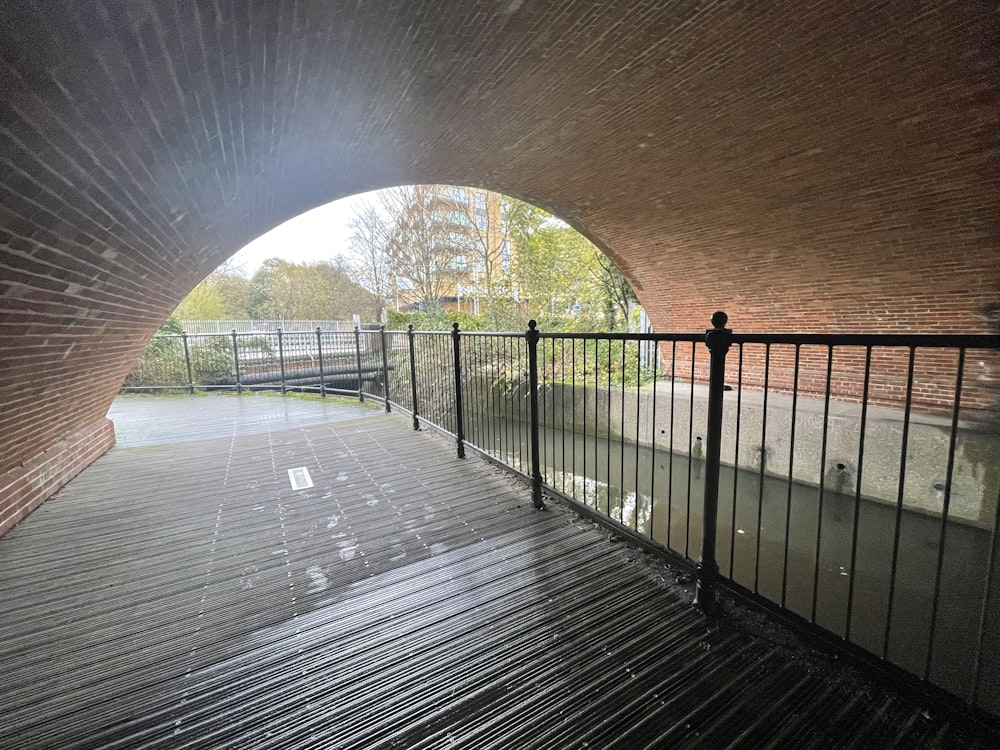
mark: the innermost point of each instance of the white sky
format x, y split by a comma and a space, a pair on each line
320, 234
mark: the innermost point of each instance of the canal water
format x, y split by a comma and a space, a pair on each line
829, 559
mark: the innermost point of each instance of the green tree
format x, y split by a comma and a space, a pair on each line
616, 293
234, 290
222, 295
323, 290
202, 303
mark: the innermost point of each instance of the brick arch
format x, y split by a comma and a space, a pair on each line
819, 167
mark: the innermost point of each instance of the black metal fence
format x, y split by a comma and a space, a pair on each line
850, 481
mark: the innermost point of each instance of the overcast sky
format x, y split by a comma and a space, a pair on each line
320, 234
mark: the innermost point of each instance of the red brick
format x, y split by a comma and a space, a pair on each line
803, 166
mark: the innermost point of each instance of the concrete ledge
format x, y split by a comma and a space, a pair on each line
976, 472
29, 485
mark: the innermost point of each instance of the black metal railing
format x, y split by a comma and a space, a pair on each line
850, 481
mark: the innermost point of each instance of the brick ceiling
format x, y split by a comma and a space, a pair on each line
800, 165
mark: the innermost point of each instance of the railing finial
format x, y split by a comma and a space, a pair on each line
454, 326
532, 324
719, 319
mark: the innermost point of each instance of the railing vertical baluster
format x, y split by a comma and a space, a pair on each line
945, 507
545, 410
822, 485
690, 454
904, 445
638, 413
456, 341
413, 374
621, 444
670, 449
859, 475
508, 451
977, 659
518, 416
236, 363
281, 359
583, 421
385, 367
597, 421
572, 409
515, 419
319, 352
652, 447
357, 350
718, 339
531, 336
481, 401
791, 475
187, 362
607, 434
562, 402
762, 456
736, 463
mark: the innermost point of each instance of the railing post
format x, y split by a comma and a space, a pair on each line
459, 426
281, 360
385, 368
357, 349
319, 351
236, 363
413, 374
531, 336
718, 339
187, 362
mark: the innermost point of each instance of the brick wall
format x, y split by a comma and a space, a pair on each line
802, 166
933, 391
25, 487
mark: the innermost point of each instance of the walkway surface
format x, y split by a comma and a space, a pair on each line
180, 593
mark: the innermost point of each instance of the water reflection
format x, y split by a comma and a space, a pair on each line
826, 558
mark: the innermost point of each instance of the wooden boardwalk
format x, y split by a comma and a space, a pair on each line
180, 593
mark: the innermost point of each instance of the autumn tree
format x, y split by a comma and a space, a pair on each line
615, 292
235, 292
371, 267
428, 245
421, 246
202, 303
324, 290
568, 283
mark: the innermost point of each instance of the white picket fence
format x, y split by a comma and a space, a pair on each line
264, 326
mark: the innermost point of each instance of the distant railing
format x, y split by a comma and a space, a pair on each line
318, 361
269, 326
850, 481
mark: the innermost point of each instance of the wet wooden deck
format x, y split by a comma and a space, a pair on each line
180, 593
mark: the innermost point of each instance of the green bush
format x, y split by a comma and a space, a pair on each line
435, 321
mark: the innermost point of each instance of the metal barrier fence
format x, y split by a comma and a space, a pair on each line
267, 326
849, 481
319, 361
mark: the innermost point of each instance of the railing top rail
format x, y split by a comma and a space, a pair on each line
519, 334
916, 340
625, 336
905, 340
421, 333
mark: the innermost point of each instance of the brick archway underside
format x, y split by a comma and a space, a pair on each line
822, 167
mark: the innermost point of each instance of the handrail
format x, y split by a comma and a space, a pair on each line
809, 497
